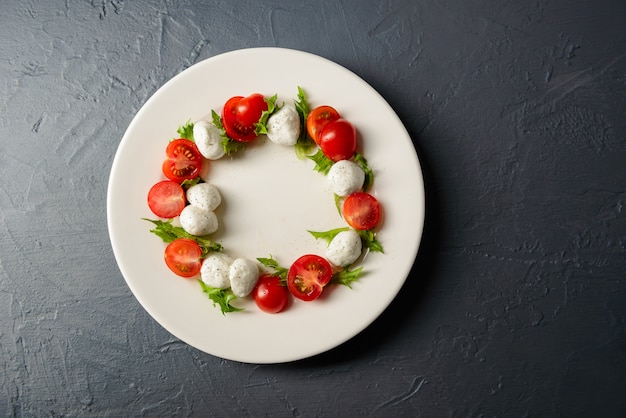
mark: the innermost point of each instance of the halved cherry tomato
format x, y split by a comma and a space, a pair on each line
307, 277
183, 161
183, 257
361, 210
166, 199
337, 140
240, 114
319, 117
270, 295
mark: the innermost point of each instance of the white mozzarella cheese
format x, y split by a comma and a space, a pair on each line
208, 140
243, 275
215, 270
197, 221
345, 177
345, 248
204, 196
283, 126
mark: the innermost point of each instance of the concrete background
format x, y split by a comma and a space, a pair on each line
516, 303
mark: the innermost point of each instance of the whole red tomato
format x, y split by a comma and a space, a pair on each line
319, 117
270, 295
240, 114
337, 139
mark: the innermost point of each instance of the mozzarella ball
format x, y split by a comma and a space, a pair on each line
208, 140
345, 248
243, 274
283, 126
215, 270
204, 196
197, 221
345, 177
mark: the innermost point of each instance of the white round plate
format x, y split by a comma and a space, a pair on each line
270, 199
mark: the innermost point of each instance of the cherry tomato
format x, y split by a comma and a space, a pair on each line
307, 277
319, 117
361, 210
270, 295
240, 114
183, 257
337, 139
166, 199
183, 161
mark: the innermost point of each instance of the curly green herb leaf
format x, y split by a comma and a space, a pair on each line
369, 174
322, 162
279, 271
347, 277
328, 235
186, 184
168, 233
305, 145
369, 241
230, 146
221, 297
302, 105
261, 126
338, 203
186, 131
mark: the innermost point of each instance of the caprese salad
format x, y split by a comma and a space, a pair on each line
185, 202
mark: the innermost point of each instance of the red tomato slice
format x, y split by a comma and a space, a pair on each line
319, 117
307, 277
166, 199
361, 211
183, 161
270, 295
337, 140
240, 114
183, 257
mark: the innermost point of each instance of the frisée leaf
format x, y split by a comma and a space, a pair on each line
168, 233
221, 297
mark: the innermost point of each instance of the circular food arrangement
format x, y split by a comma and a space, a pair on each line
185, 202
269, 204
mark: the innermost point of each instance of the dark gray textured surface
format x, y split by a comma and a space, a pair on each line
516, 304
